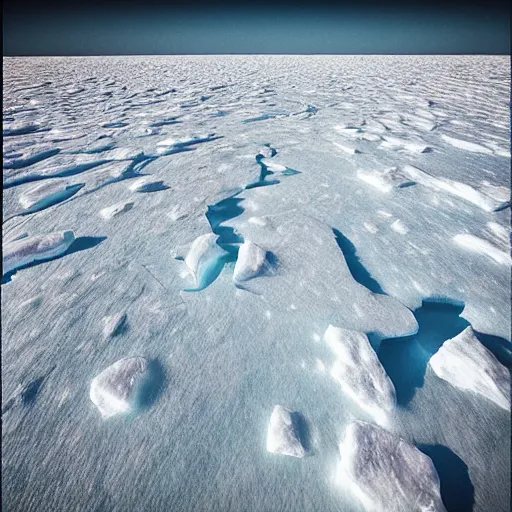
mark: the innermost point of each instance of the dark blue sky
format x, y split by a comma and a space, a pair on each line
126, 27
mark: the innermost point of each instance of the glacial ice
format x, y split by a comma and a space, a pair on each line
358, 371
283, 436
466, 145
114, 325
386, 473
35, 248
250, 261
204, 254
117, 389
465, 363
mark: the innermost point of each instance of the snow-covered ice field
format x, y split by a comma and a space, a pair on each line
189, 242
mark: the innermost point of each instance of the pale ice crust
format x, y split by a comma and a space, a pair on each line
465, 363
204, 253
386, 473
282, 436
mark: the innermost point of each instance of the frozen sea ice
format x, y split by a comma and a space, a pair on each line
251, 259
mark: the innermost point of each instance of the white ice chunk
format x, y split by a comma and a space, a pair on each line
250, 261
359, 372
384, 180
35, 248
475, 244
116, 390
465, 363
387, 473
203, 255
145, 183
282, 437
111, 211
273, 166
399, 227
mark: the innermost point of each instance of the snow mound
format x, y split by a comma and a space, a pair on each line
347, 149
250, 261
283, 438
203, 255
35, 248
386, 473
385, 180
117, 389
111, 211
359, 372
475, 244
403, 144
489, 199
465, 363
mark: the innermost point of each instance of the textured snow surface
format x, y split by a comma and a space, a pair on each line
358, 371
464, 362
387, 473
283, 436
376, 189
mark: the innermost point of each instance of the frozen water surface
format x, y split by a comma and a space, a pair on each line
377, 191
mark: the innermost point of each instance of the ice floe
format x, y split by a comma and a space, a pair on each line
465, 363
283, 437
358, 371
47, 194
387, 473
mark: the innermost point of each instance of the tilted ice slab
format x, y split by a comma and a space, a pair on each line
386, 473
489, 199
465, 363
467, 146
479, 245
28, 156
203, 255
35, 248
385, 180
48, 193
359, 372
117, 389
283, 437
250, 261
